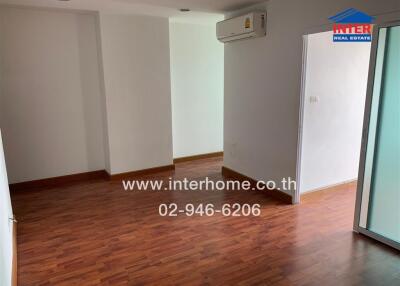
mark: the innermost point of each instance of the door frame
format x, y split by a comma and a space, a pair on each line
296, 199
363, 154
381, 20
297, 194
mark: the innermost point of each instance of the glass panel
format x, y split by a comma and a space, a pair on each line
373, 117
384, 200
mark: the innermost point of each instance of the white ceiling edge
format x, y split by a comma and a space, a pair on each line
115, 7
256, 7
197, 18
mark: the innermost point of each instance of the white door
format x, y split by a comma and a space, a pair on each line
6, 225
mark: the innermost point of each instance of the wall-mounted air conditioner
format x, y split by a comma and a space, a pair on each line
250, 25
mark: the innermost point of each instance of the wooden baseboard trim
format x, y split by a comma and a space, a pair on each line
82, 177
14, 275
333, 186
279, 195
197, 157
139, 173
59, 181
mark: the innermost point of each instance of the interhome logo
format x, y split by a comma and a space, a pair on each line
352, 25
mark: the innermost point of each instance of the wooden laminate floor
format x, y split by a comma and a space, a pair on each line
98, 234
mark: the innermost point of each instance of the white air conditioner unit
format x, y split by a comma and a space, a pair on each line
251, 25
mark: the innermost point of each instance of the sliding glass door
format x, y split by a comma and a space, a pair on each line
378, 195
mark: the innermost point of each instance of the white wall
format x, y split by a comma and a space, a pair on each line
50, 102
136, 66
262, 86
197, 86
337, 75
6, 241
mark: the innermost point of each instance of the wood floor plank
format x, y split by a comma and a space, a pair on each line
95, 233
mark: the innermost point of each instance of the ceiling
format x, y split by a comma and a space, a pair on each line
216, 6
201, 9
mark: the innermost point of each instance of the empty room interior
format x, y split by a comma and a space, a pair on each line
172, 142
